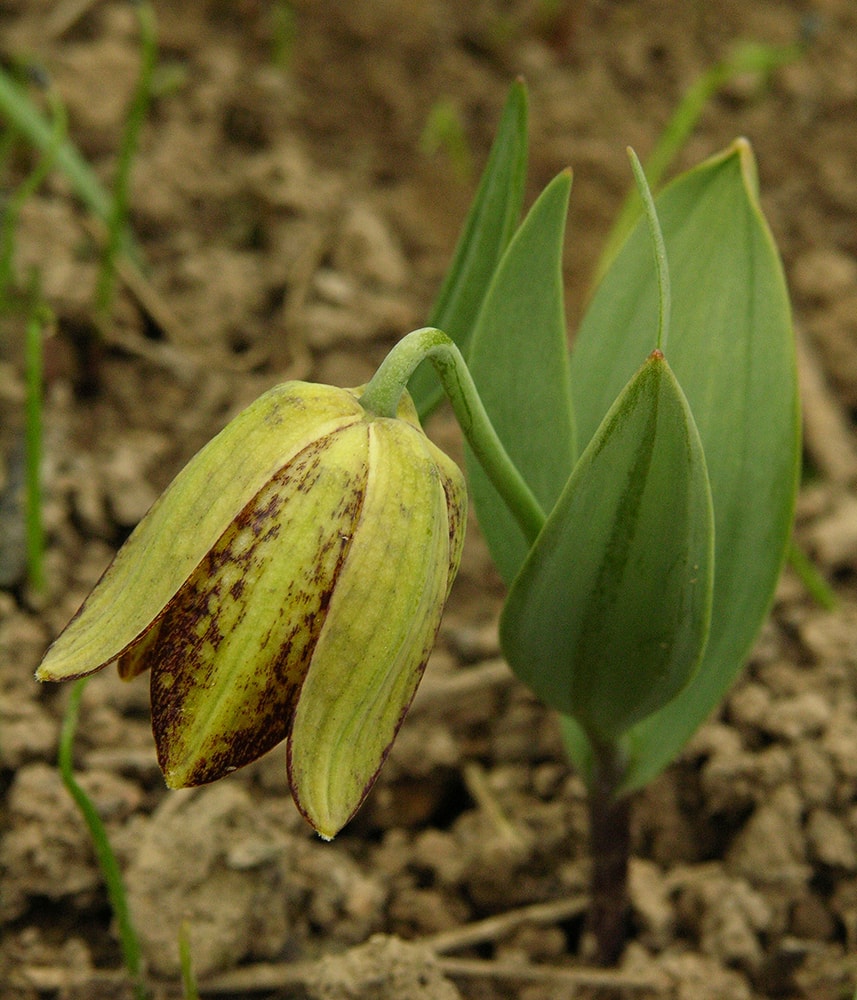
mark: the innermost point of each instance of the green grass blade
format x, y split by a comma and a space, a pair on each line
810, 576
444, 131
749, 57
22, 113
284, 34
189, 987
39, 318
103, 851
23, 192
118, 218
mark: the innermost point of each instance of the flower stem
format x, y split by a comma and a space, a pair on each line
383, 393
606, 927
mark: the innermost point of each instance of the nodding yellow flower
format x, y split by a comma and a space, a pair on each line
289, 584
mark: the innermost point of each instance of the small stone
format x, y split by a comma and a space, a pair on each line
440, 853
384, 968
697, 977
333, 287
367, 249
29, 732
811, 918
214, 826
792, 718
728, 782
815, 775
728, 914
770, 849
833, 538
823, 274
830, 637
416, 912
830, 840
732, 926
749, 704
651, 903
45, 842
840, 742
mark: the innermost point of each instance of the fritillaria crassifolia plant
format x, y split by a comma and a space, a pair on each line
636, 495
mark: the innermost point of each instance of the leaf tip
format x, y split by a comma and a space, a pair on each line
743, 149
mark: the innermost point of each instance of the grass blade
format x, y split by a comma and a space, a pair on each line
23, 192
750, 57
103, 851
118, 216
40, 317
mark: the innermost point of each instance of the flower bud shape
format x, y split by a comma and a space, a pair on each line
288, 584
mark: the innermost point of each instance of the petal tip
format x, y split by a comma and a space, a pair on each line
174, 780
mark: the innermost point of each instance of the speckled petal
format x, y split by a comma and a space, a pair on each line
189, 517
236, 642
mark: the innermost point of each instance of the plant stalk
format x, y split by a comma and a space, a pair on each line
381, 397
606, 927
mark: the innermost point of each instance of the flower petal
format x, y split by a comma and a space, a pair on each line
455, 491
383, 619
237, 640
189, 517
136, 658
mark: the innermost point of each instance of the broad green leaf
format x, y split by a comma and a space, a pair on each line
732, 351
519, 361
189, 517
487, 230
608, 618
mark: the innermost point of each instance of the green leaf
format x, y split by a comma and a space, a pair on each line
487, 230
732, 350
519, 361
608, 618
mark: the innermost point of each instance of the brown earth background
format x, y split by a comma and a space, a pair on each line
292, 223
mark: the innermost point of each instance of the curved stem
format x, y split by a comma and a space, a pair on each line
384, 391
